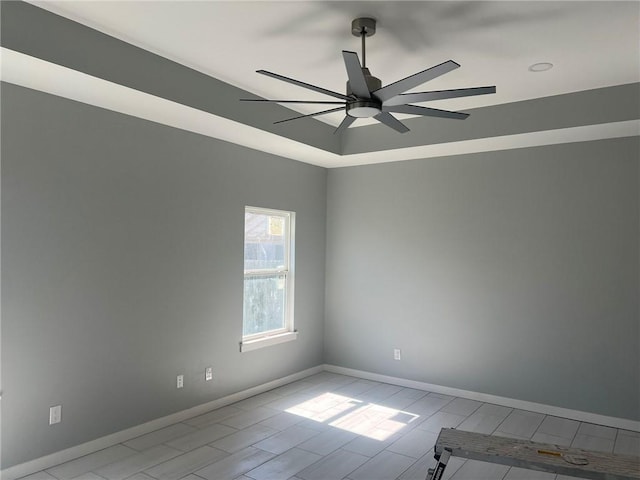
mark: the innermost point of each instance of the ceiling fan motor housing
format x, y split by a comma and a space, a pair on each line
365, 107
373, 83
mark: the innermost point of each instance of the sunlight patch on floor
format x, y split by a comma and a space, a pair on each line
363, 418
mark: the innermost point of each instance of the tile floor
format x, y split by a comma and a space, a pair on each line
333, 427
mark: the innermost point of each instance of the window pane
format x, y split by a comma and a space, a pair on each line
264, 241
264, 304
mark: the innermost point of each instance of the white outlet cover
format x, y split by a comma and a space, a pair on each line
208, 374
55, 414
180, 381
397, 355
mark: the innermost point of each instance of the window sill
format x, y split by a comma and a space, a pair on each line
267, 341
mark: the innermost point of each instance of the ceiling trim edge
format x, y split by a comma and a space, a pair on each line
30, 72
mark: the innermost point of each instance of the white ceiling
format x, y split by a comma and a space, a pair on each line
591, 44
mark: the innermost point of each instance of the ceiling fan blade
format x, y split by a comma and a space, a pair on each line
425, 112
304, 85
344, 124
405, 98
357, 82
290, 101
391, 121
311, 115
386, 93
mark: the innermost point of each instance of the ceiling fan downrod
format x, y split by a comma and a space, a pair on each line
363, 27
364, 106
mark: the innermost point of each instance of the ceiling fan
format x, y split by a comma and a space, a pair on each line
367, 98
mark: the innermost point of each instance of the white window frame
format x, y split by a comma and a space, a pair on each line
287, 333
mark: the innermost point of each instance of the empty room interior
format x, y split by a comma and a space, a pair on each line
295, 240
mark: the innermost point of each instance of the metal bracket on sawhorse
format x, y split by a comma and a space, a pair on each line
437, 472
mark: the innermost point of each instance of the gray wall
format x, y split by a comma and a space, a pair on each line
122, 257
513, 273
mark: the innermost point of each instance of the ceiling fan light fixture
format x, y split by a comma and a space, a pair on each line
363, 109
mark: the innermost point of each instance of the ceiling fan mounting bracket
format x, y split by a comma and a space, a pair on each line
366, 25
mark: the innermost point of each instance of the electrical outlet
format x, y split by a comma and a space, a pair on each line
397, 355
180, 381
208, 374
55, 414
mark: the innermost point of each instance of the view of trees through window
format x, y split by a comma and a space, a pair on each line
266, 269
264, 302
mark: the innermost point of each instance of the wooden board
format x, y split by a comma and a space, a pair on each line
538, 456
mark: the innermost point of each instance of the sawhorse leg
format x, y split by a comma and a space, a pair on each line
437, 472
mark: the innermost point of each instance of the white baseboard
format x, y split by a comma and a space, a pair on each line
484, 397
72, 453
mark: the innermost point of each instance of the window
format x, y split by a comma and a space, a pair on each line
268, 277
